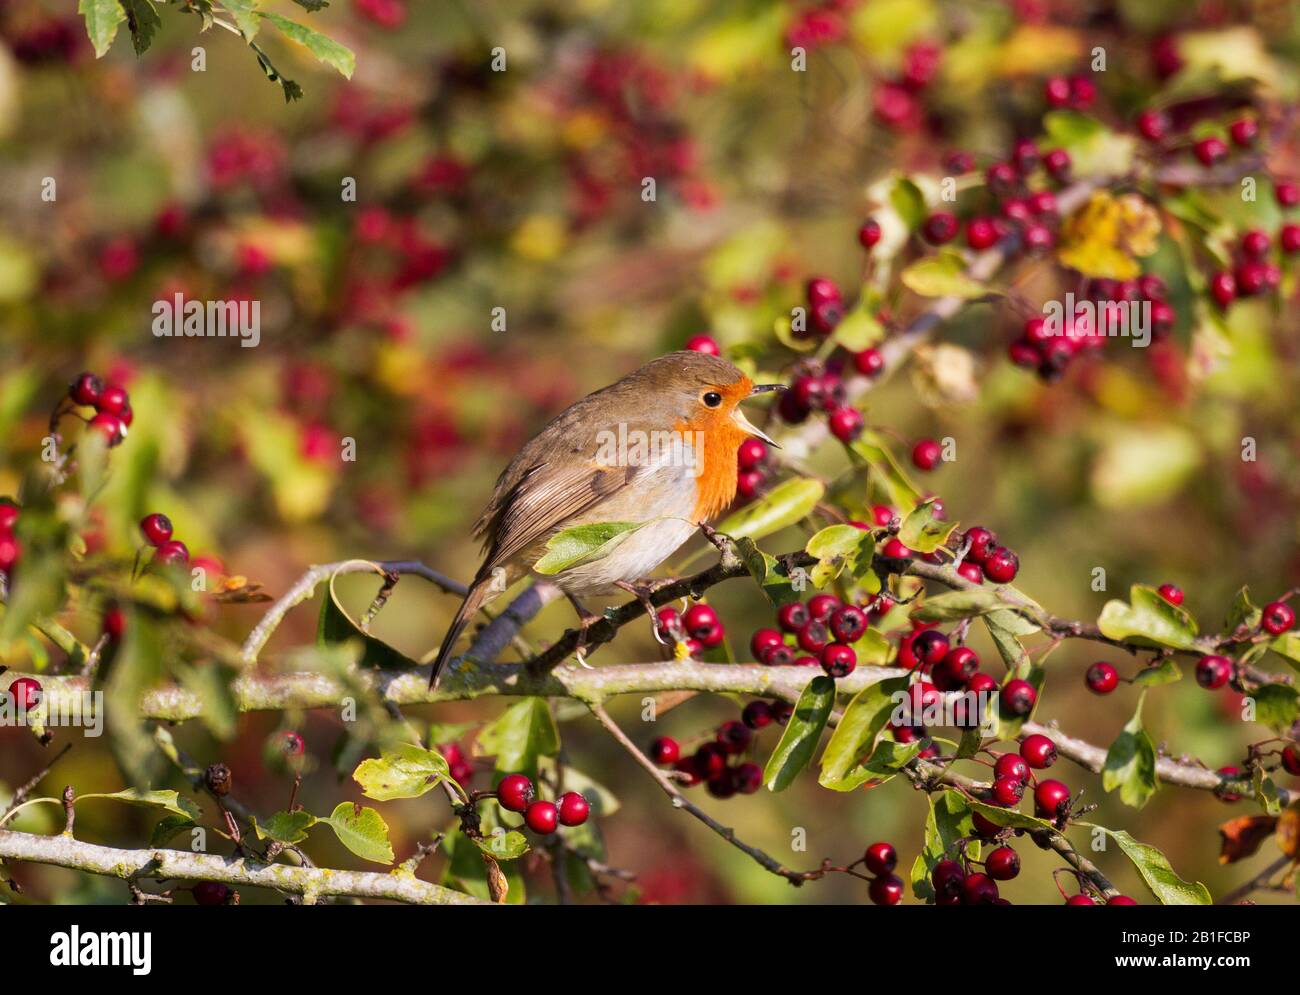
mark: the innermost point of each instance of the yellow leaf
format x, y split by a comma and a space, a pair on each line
1101, 238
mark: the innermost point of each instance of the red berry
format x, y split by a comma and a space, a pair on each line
11, 551
838, 660
848, 623
705, 344
940, 227
734, 737
982, 542
1001, 177
947, 876
1038, 237
1083, 91
880, 858
157, 528
114, 624
1213, 671
1002, 864
664, 751
869, 233
960, 664
747, 778
1102, 677
751, 454
1025, 156
757, 715
825, 316
814, 636
1277, 618
923, 697
292, 744
172, 551
822, 606
1291, 760
113, 400
86, 389
1051, 799
985, 827
895, 550
1007, 791
1288, 236
711, 760
210, 893
1171, 593
926, 454
1153, 125
8, 516
573, 809
748, 483
793, 616
1018, 697
1286, 194
1210, 150
1255, 243
930, 646
1002, 565
764, 638
845, 423
542, 817
886, 890
1120, 900
972, 572
1079, 900
110, 427
1011, 766
1243, 132
807, 661
959, 162
821, 289
1038, 750
1223, 288
982, 684
978, 889
25, 692
701, 622
870, 362
1252, 278
1057, 162
980, 234
515, 792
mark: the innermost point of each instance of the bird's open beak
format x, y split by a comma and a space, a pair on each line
763, 388
746, 425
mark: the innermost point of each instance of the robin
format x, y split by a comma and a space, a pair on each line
657, 448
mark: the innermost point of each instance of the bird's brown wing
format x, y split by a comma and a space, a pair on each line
542, 499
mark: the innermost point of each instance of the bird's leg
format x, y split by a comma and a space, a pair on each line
586, 620
643, 592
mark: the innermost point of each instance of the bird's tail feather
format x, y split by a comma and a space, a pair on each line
478, 593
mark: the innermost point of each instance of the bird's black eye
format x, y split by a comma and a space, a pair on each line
712, 399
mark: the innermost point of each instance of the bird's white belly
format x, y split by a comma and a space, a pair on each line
634, 559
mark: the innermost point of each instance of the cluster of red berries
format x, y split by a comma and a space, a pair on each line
515, 793
458, 764
896, 103
1255, 271
886, 887
819, 633
113, 415
157, 531
716, 762
1156, 126
820, 386
1073, 92
699, 626
1050, 351
11, 550
986, 559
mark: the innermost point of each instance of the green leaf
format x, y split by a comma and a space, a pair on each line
906, 198
143, 21
855, 735
583, 544
465, 870
886, 471
326, 49
834, 547
1276, 706
245, 15
312, 5
860, 328
285, 827
1095, 150
1287, 646
799, 740
168, 800
361, 830
788, 502
1243, 613
524, 732
1148, 620
1167, 886
335, 625
405, 771
1165, 672
503, 845
1007, 816
103, 17
952, 606
771, 574
1266, 792
922, 530
1131, 763
168, 827
942, 275
949, 821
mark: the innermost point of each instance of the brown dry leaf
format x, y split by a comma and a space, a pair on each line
1288, 831
498, 886
1241, 837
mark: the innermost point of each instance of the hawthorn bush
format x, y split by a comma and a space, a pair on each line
1009, 616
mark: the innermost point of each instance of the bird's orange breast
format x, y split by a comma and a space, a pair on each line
719, 438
